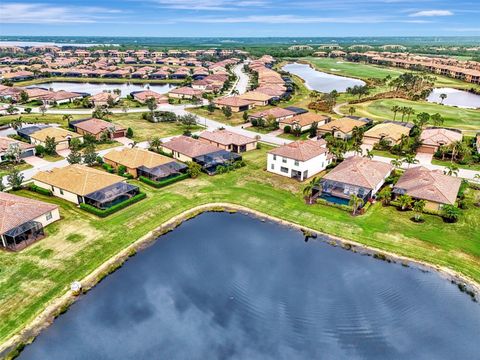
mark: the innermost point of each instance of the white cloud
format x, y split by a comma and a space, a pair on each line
25, 13
212, 5
430, 13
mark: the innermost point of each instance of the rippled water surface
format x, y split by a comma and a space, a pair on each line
320, 81
225, 286
95, 88
455, 97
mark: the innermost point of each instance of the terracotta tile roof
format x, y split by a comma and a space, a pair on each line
360, 171
189, 146
421, 183
142, 96
344, 125
16, 210
78, 179
103, 97
276, 112
305, 119
255, 96
232, 101
54, 132
390, 130
96, 126
226, 137
134, 158
6, 142
301, 150
187, 91
439, 136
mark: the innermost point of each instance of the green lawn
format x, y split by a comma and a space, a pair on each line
384, 153
474, 167
4, 170
39, 118
80, 242
465, 119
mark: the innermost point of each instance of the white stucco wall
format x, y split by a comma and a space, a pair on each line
313, 166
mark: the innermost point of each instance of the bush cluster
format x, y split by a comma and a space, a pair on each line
40, 190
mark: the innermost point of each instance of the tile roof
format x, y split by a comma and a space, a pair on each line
344, 125
360, 171
54, 132
96, 126
16, 210
232, 101
226, 137
422, 183
439, 136
6, 142
78, 179
302, 150
134, 158
305, 119
389, 130
189, 146
276, 112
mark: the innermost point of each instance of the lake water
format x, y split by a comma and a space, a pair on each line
320, 81
95, 88
228, 286
455, 97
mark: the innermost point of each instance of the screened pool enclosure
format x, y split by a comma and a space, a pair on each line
162, 172
22, 235
111, 195
209, 162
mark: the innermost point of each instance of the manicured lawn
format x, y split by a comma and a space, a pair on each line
303, 136
474, 167
52, 158
80, 242
465, 119
384, 153
235, 120
39, 118
4, 170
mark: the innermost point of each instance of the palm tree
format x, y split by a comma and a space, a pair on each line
395, 109
409, 111
443, 97
450, 213
405, 201
452, 170
397, 163
356, 203
385, 195
437, 119
313, 185
410, 160
155, 143
67, 118
454, 147
418, 207
369, 154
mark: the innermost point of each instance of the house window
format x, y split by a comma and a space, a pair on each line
297, 163
49, 215
284, 160
284, 170
274, 157
61, 192
272, 167
53, 189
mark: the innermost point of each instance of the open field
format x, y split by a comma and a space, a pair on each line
95, 80
80, 242
39, 118
465, 119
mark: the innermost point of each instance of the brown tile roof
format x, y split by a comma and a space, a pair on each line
301, 150
390, 130
305, 119
142, 96
438, 136
6, 142
226, 137
233, 101
187, 91
360, 171
189, 146
16, 210
344, 125
96, 126
255, 96
134, 158
421, 183
78, 179
276, 112
54, 132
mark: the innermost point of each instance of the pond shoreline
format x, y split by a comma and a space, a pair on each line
13, 346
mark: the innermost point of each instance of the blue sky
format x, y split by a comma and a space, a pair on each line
231, 18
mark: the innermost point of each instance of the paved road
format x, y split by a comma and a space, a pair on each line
242, 79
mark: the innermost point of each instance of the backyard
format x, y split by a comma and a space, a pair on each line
80, 242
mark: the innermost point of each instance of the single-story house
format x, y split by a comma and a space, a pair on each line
299, 159
355, 175
235, 103
433, 186
228, 140
388, 131
187, 149
62, 137
82, 184
140, 162
304, 121
103, 98
258, 98
185, 93
25, 132
8, 144
276, 113
98, 127
60, 97
143, 96
342, 128
432, 138
22, 220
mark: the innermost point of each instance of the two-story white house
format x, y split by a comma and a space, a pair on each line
300, 159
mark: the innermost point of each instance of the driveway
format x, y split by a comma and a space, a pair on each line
64, 153
35, 161
424, 158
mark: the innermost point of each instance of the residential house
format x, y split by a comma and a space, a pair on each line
25, 132
342, 128
276, 113
143, 96
256, 97
82, 184
228, 140
7, 145
22, 220
432, 138
103, 98
237, 104
433, 186
185, 92
300, 159
304, 121
62, 137
97, 128
355, 175
140, 162
390, 132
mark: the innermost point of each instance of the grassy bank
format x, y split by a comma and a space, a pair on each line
80, 242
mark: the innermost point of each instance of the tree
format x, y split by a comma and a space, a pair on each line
369, 154
313, 185
211, 107
194, 169
422, 119
155, 143
89, 155
351, 110
75, 156
245, 116
129, 133
67, 118
151, 104
313, 129
27, 110
385, 195
24, 97
50, 146
405, 201
43, 109
395, 109
451, 213
356, 203
14, 152
397, 163
451, 170
418, 207
16, 123
410, 160
227, 111
110, 101
11, 109
15, 179
437, 119
442, 97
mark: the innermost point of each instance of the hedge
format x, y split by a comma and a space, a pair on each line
40, 190
160, 184
114, 208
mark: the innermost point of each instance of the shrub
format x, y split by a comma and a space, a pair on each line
160, 184
287, 129
122, 169
39, 190
103, 213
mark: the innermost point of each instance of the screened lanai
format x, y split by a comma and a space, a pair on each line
209, 162
111, 195
22, 235
162, 172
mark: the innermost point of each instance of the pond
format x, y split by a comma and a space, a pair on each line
95, 88
320, 81
228, 286
455, 97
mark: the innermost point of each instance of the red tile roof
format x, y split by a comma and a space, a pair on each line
301, 150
